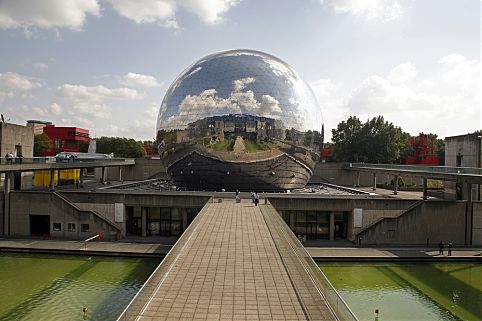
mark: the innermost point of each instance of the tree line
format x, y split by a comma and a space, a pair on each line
374, 141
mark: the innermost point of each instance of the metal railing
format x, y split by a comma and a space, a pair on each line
135, 308
53, 160
420, 168
314, 282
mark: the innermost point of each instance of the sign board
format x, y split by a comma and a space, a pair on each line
357, 217
119, 212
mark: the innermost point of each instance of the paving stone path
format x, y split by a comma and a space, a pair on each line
228, 269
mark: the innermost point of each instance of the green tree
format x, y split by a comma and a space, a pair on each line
121, 147
346, 138
41, 143
440, 150
374, 141
83, 147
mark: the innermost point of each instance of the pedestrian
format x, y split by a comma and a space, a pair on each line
238, 200
77, 182
441, 246
256, 199
252, 197
450, 248
9, 158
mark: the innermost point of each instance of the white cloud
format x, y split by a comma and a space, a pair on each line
14, 81
402, 73
55, 109
163, 12
40, 66
11, 82
81, 93
383, 10
139, 81
147, 11
450, 95
46, 14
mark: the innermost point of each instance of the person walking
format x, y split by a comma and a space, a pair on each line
441, 246
256, 199
450, 248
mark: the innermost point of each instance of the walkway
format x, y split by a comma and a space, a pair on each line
226, 266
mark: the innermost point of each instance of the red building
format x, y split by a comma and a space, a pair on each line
65, 139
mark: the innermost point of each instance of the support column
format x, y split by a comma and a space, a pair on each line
424, 194
6, 204
120, 173
81, 178
52, 180
144, 221
102, 178
469, 216
332, 226
292, 221
374, 181
395, 186
184, 219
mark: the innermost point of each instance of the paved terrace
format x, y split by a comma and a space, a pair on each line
234, 262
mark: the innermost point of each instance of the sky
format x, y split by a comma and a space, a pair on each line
105, 65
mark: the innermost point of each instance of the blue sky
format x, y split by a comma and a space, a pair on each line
105, 64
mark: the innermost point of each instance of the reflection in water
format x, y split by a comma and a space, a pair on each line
409, 291
41, 287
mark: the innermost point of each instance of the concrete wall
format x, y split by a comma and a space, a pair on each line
24, 204
11, 135
477, 224
168, 199
469, 147
334, 173
143, 169
372, 208
433, 219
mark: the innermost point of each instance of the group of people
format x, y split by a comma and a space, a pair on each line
254, 198
441, 246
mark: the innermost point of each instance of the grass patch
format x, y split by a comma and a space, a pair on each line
225, 145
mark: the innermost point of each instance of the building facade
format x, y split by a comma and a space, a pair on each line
65, 139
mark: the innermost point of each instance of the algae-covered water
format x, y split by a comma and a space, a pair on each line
409, 291
57, 287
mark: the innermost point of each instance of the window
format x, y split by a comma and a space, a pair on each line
57, 227
71, 227
71, 144
58, 143
84, 228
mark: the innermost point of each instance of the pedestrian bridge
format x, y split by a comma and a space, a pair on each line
237, 261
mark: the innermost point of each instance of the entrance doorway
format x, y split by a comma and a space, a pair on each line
39, 225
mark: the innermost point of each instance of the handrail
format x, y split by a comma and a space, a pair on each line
75, 207
287, 243
418, 168
380, 219
155, 280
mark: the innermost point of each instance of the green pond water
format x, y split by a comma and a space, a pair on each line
57, 287
409, 291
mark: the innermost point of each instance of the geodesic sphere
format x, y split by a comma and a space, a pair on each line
243, 82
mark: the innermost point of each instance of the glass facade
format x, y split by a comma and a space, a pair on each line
158, 221
316, 224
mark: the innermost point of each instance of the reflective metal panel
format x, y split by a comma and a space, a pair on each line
240, 82
238, 117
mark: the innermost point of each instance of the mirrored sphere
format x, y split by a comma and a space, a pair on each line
240, 82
